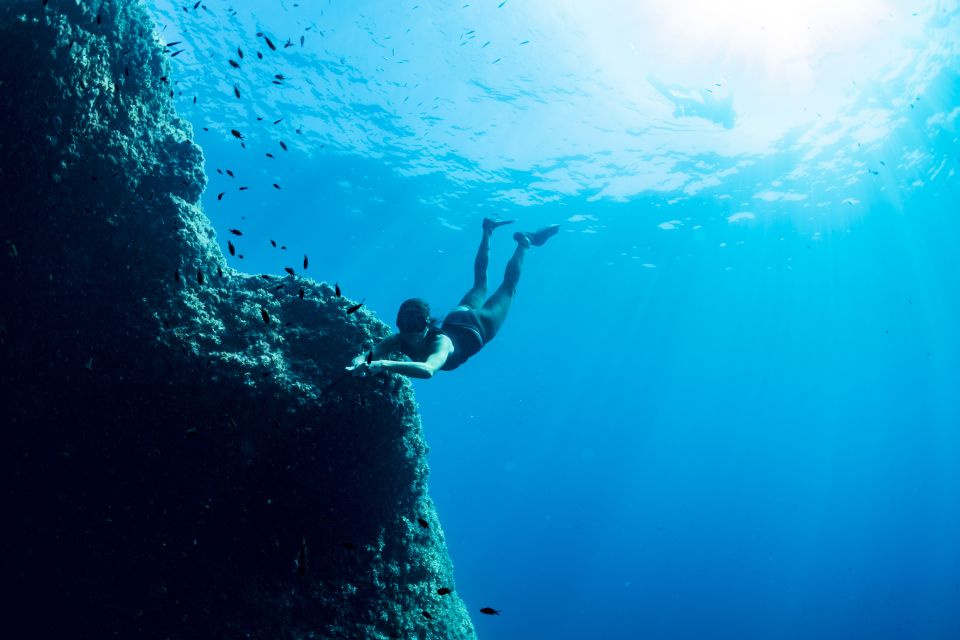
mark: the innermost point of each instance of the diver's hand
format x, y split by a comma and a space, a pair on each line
357, 366
364, 368
360, 359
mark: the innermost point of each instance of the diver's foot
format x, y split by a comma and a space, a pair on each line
537, 238
489, 224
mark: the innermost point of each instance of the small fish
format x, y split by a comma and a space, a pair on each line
301, 293
301, 41
176, 275
236, 91
240, 52
288, 43
336, 288
283, 247
273, 243
278, 121
236, 134
490, 611
232, 249
306, 261
276, 186
355, 308
283, 145
426, 615
197, 5
234, 63
219, 272
442, 591
220, 195
289, 270
264, 315
369, 357
236, 232
300, 564
199, 276
278, 287
259, 55
177, 52
171, 44
423, 523
244, 188
230, 173
270, 43
279, 76
270, 155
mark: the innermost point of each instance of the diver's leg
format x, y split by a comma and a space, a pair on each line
474, 297
494, 310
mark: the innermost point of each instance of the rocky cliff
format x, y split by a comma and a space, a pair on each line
182, 455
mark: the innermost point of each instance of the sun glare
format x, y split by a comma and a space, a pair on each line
774, 28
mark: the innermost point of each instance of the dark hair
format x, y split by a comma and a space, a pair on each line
414, 315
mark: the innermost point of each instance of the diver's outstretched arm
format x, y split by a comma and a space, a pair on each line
441, 351
380, 350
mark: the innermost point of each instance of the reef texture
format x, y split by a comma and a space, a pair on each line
176, 432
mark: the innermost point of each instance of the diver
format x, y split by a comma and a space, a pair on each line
465, 330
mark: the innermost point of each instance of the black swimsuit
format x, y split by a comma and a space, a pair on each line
465, 331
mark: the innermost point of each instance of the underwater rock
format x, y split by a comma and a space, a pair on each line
174, 465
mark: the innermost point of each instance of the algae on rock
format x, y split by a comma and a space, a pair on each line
169, 454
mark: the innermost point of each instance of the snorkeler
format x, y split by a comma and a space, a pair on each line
465, 330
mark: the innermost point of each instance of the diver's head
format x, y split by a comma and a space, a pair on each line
413, 316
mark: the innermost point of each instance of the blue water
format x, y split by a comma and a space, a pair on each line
725, 402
